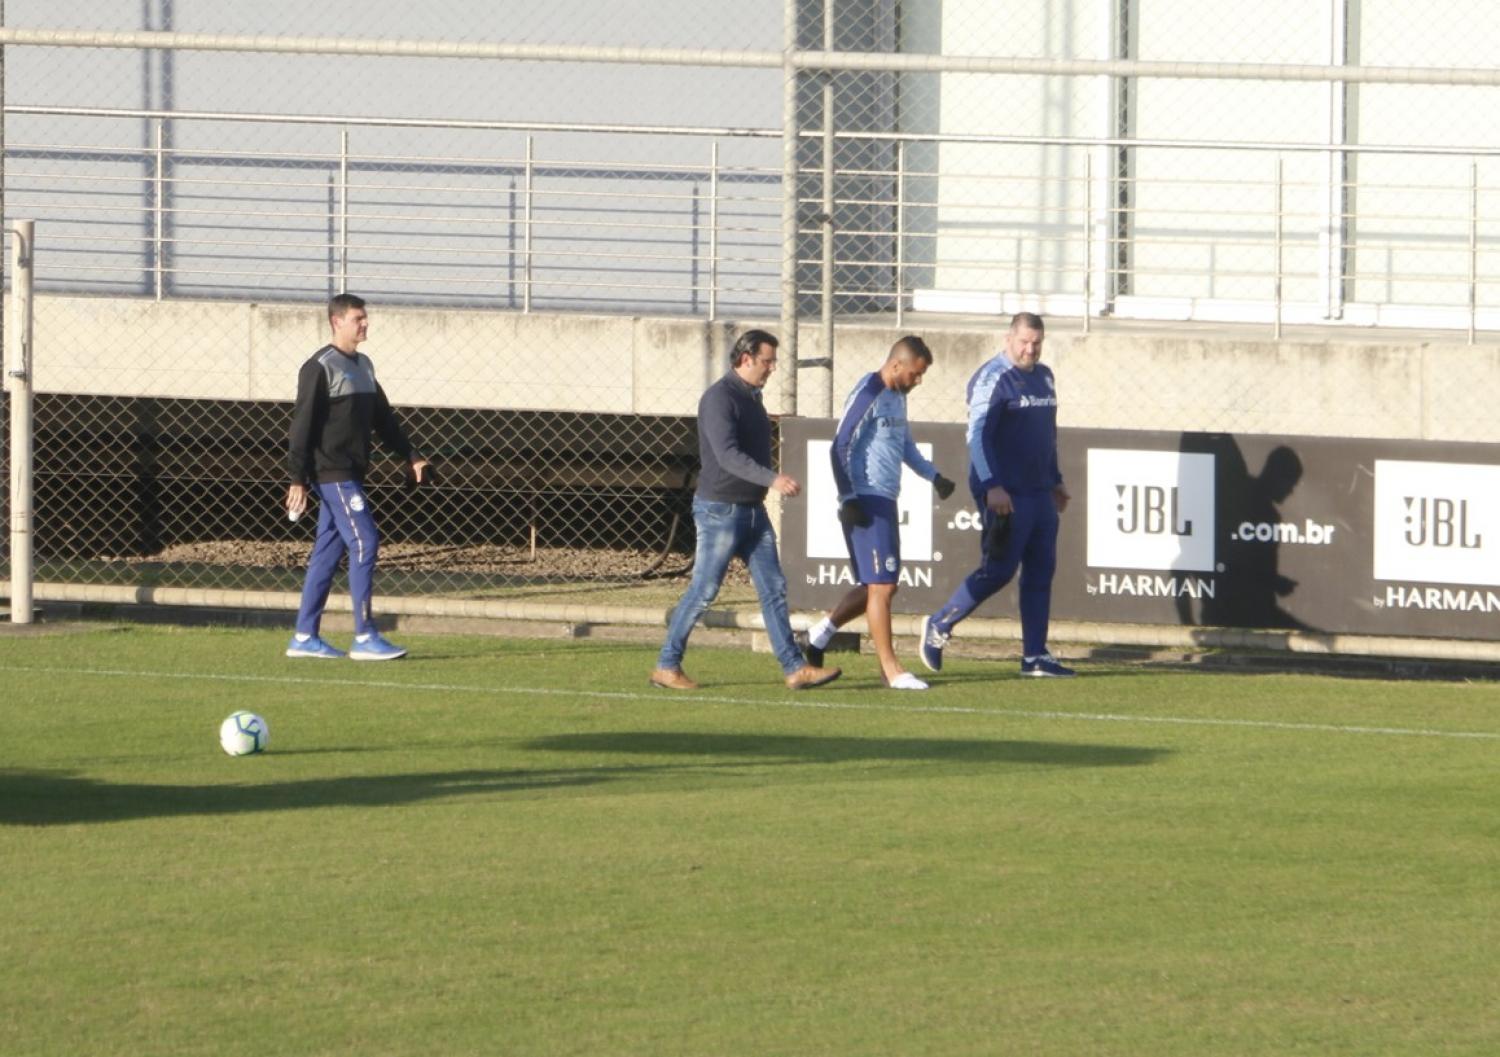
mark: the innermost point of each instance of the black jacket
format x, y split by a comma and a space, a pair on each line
338, 404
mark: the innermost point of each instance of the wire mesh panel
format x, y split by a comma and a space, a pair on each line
507, 222
557, 252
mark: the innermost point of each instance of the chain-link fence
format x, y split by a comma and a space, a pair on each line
556, 252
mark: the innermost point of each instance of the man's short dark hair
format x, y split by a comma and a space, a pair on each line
1029, 320
748, 343
340, 304
915, 348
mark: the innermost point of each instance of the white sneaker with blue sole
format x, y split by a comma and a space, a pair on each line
313, 647
372, 647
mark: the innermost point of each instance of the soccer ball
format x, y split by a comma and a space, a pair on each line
244, 733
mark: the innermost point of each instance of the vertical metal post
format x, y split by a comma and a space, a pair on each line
1088, 236
789, 209
1473, 247
1277, 329
900, 233
713, 232
1334, 239
343, 211
18, 374
526, 227
2, 182
159, 185
827, 212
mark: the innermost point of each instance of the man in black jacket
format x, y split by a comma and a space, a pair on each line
729, 513
339, 402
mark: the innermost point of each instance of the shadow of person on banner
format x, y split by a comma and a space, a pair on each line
1250, 589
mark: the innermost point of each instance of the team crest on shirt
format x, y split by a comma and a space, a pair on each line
357, 503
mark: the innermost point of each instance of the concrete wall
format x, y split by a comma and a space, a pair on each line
1166, 378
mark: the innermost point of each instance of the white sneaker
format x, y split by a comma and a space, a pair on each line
906, 681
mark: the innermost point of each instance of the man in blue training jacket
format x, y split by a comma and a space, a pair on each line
871, 446
1019, 490
729, 513
338, 403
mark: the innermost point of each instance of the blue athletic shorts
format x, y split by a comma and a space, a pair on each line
875, 550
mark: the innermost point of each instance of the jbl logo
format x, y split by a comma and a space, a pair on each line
1151, 510
1436, 522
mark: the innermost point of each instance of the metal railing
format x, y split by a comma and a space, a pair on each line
527, 231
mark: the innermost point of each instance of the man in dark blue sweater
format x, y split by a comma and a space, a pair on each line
729, 513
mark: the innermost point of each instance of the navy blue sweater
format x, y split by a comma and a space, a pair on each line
734, 443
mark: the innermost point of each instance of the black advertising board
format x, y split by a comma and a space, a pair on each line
1338, 535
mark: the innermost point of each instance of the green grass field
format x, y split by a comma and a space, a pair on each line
518, 847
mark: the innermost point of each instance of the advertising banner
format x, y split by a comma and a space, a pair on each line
1315, 533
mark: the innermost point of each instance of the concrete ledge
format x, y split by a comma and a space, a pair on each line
979, 636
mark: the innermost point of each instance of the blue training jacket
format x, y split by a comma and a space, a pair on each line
1012, 428
874, 441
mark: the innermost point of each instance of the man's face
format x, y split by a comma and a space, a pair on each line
351, 327
908, 374
1024, 347
757, 369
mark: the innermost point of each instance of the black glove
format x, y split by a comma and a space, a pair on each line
852, 514
942, 486
996, 534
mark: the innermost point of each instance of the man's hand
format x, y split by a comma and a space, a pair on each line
420, 472
942, 486
787, 486
1061, 497
296, 501
852, 514
998, 500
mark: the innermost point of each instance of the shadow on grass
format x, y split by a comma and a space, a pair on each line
802, 749
54, 798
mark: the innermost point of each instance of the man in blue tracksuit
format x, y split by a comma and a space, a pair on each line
339, 402
872, 444
1016, 484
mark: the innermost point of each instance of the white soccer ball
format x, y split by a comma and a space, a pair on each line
244, 733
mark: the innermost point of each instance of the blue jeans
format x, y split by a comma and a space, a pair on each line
727, 531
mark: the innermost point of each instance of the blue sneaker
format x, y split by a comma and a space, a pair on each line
312, 646
372, 647
1043, 666
932, 645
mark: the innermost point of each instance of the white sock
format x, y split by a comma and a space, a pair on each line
821, 633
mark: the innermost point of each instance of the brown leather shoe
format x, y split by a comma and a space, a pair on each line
672, 679
807, 677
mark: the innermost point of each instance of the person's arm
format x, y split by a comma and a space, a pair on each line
858, 406
311, 405
913, 457
388, 427
986, 400
717, 417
